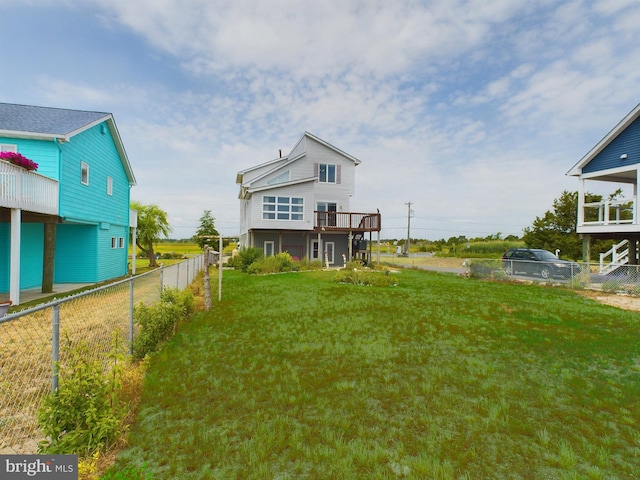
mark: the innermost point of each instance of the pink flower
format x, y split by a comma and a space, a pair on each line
18, 159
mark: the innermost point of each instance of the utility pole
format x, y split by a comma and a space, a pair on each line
408, 228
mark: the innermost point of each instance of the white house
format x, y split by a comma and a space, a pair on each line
300, 204
614, 159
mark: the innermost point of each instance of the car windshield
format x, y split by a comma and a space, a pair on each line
544, 255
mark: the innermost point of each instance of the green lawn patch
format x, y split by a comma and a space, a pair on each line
441, 377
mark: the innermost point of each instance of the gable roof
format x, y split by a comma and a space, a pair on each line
283, 161
58, 125
632, 116
306, 135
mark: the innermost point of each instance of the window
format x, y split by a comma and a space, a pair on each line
4, 147
84, 173
326, 173
283, 177
282, 208
113, 242
315, 250
121, 242
109, 186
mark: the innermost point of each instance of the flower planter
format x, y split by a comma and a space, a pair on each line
4, 307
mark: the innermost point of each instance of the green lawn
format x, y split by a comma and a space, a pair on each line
442, 377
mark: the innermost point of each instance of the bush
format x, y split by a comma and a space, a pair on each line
246, 256
157, 322
484, 268
282, 262
365, 277
84, 413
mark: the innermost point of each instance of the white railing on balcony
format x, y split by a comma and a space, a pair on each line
26, 190
610, 212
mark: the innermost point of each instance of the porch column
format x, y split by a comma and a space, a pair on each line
633, 251
581, 202
48, 257
350, 246
14, 278
586, 248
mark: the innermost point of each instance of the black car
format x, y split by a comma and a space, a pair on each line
533, 261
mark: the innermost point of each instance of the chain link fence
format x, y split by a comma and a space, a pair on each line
33, 340
622, 279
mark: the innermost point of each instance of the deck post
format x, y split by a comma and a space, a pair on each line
586, 248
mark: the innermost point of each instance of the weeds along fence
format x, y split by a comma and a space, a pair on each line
622, 279
32, 341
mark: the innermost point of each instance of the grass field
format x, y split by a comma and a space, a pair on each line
441, 377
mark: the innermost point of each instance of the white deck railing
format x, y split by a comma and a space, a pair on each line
610, 212
27, 191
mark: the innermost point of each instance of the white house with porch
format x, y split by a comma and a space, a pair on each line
614, 159
300, 203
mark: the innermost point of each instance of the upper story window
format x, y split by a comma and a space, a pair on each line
84, 173
282, 208
326, 173
4, 147
109, 186
283, 177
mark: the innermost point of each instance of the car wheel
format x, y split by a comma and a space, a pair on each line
545, 272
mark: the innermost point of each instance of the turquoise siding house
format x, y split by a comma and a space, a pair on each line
67, 222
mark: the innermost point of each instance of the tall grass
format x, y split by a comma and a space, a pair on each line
440, 377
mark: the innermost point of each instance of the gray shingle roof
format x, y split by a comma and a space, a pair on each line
45, 120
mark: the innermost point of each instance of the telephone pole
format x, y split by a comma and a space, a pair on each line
408, 251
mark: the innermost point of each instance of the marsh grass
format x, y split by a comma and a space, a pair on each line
441, 377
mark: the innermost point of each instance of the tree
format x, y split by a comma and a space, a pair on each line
557, 228
206, 233
152, 227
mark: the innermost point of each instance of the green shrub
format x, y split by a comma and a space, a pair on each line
484, 268
157, 322
246, 256
365, 277
282, 262
305, 264
84, 413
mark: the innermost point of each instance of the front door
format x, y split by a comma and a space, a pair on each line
329, 248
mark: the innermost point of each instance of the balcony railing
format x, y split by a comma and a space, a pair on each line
26, 190
610, 212
347, 221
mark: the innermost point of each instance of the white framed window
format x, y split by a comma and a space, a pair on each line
114, 242
7, 147
269, 248
84, 173
121, 242
315, 250
109, 186
282, 208
326, 173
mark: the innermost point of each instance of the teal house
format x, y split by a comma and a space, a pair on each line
68, 220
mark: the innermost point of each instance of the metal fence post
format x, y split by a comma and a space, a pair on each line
131, 316
55, 346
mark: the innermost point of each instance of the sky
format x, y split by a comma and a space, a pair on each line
472, 111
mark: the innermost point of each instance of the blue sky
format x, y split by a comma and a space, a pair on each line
473, 110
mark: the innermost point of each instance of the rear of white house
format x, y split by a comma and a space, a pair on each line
300, 204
